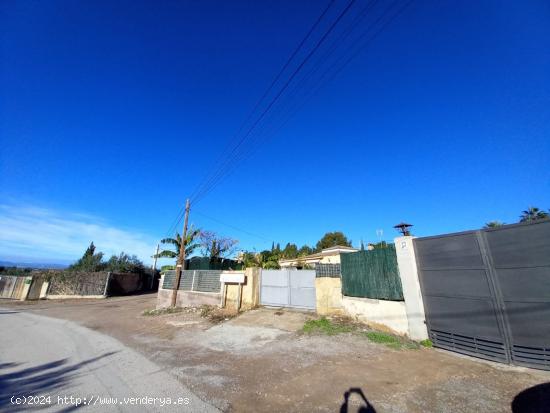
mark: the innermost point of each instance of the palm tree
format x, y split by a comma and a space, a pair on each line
532, 214
190, 245
494, 224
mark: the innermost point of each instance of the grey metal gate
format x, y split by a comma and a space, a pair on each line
487, 293
288, 288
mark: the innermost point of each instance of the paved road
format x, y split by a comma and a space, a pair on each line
42, 356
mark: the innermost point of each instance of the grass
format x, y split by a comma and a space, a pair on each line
325, 326
331, 327
427, 343
162, 311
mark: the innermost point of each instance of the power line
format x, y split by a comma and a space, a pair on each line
321, 83
225, 169
179, 217
231, 226
269, 88
285, 86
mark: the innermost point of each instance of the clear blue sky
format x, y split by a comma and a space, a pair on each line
111, 112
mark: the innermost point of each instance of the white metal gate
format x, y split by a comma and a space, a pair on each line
288, 288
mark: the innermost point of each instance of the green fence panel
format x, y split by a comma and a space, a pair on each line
371, 274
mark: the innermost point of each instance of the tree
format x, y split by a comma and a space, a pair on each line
290, 251
305, 250
191, 245
250, 259
90, 261
268, 259
493, 224
332, 239
532, 214
380, 245
125, 263
215, 246
362, 246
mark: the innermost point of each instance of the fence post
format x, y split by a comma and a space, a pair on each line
107, 284
408, 272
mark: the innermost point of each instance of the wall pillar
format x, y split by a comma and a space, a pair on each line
44, 290
26, 288
414, 304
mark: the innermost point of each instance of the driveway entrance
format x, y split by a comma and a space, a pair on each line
288, 288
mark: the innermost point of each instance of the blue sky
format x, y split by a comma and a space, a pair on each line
111, 113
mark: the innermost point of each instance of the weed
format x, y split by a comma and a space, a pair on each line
391, 341
427, 343
162, 311
326, 326
216, 315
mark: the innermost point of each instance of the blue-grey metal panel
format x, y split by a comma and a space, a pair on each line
521, 259
302, 289
487, 293
459, 299
450, 251
274, 289
288, 288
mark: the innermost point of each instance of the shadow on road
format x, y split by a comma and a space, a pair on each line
44, 379
533, 399
365, 407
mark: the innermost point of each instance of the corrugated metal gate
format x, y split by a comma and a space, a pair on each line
487, 293
207, 281
288, 288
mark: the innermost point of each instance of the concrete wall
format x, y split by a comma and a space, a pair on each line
250, 295
186, 298
328, 293
414, 304
380, 314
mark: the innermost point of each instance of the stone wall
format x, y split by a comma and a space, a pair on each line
81, 283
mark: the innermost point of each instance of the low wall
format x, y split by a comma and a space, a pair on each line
250, 295
328, 294
81, 283
127, 283
186, 298
380, 314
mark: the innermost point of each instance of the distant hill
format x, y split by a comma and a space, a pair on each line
33, 265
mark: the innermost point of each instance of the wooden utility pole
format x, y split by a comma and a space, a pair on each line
181, 258
154, 268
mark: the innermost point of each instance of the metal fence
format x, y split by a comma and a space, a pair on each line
206, 281
327, 270
487, 293
371, 274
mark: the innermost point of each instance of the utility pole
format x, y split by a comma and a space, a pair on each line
155, 257
154, 268
181, 259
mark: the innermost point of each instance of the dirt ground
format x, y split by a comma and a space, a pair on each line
262, 362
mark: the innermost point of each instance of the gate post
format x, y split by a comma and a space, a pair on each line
408, 272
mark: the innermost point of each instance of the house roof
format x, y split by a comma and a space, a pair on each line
324, 252
340, 247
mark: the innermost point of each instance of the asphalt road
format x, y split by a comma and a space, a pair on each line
58, 365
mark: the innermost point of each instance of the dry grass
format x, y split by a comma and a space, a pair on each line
215, 314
